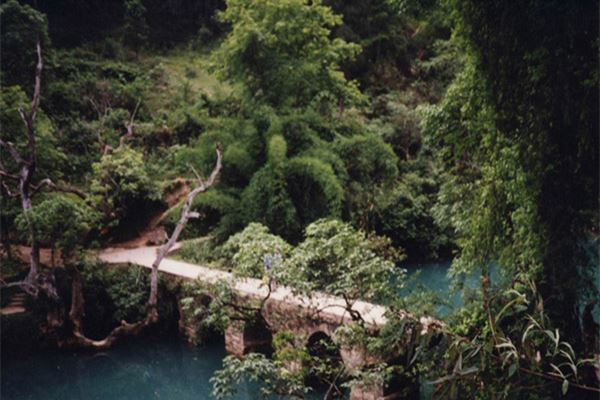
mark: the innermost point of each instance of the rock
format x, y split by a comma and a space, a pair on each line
157, 237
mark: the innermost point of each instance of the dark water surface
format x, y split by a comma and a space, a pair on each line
142, 369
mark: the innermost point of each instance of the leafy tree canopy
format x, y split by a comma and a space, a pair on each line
283, 54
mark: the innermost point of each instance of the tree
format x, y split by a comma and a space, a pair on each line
135, 29
282, 52
121, 186
22, 28
77, 301
372, 167
63, 222
248, 249
339, 260
266, 198
26, 169
529, 134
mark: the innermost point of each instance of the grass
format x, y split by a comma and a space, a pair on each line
184, 75
201, 251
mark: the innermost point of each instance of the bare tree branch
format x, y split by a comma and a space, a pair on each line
35, 102
12, 150
78, 311
8, 191
185, 215
130, 125
59, 188
5, 174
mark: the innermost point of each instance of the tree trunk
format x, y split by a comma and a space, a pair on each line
27, 166
186, 214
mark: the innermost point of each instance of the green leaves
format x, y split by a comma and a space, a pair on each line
337, 259
255, 367
22, 28
121, 184
247, 250
281, 51
61, 221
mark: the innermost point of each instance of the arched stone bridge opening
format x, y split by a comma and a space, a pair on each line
308, 325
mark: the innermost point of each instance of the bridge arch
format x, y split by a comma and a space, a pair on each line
323, 350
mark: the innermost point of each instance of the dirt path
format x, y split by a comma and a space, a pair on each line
153, 233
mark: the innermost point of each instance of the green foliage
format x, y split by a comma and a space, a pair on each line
337, 259
213, 207
129, 295
121, 184
371, 166
247, 250
22, 27
207, 306
238, 165
395, 36
282, 52
50, 156
277, 151
202, 251
113, 295
507, 347
406, 215
397, 120
369, 160
257, 368
135, 28
61, 221
314, 189
540, 91
266, 200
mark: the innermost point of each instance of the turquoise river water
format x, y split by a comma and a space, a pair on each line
144, 369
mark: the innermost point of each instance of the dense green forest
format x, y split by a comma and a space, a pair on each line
338, 140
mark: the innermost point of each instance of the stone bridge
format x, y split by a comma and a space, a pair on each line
307, 318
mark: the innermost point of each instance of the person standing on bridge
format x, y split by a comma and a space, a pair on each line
270, 262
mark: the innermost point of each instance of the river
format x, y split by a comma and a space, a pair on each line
159, 368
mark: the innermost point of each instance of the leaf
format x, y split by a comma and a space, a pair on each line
558, 371
526, 333
512, 369
565, 387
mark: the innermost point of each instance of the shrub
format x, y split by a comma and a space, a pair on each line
340, 260
212, 206
266, 200
60, 221
247, 250
122, 187
314, 189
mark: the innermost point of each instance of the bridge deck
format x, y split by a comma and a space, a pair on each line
144, 256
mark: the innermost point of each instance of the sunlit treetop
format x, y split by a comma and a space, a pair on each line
282, 52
